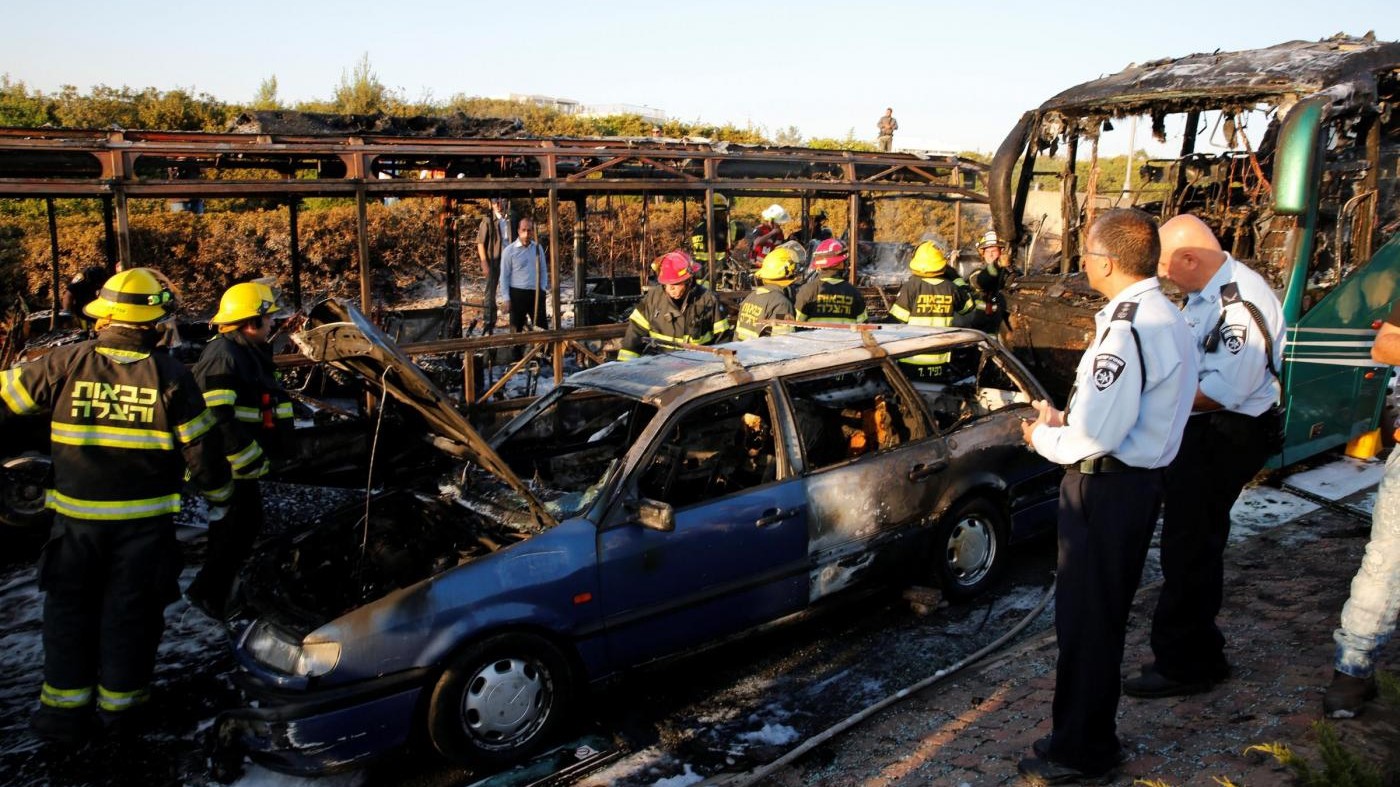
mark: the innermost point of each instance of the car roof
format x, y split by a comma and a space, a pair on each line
659, 378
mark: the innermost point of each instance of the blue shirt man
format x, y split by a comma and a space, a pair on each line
1238, 331
525, 279
1123, 426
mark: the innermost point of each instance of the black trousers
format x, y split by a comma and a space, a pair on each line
1105, 528
528, 305
106, 586
488, 302
230, 541
1220, 453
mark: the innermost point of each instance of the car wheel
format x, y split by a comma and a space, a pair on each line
499, 700
968, 546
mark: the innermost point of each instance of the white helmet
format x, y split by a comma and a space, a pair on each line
777, 214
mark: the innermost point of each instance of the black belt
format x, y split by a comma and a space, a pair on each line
1104, 464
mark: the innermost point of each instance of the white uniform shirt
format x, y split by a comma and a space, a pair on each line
524, 266
1112, 412
1235, 374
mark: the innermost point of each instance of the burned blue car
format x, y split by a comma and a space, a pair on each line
640, 511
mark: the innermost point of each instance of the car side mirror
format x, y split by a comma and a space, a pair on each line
653, 514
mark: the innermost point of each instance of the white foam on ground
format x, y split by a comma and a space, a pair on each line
684, 779
771, 735
257, 776
1336, 480
1261, 508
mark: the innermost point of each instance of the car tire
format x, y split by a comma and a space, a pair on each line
968, 547
499, 700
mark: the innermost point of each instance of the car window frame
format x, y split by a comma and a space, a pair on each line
1018, 374
897, 381
615, 514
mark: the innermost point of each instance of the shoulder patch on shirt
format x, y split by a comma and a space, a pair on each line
1107, 369
1229, 293
1127, 310
1233, 337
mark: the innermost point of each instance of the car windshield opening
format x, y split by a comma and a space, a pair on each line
567, 450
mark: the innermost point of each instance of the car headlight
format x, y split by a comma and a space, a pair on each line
278, 650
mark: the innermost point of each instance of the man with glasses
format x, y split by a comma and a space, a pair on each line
1237, 324
1122, 427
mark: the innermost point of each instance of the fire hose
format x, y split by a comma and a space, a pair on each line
762, 772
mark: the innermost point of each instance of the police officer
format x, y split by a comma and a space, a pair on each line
931, 296
1238, 328
254, 416
126, 422
988, 282
677, 312
769, 300
1131, 397
828, 297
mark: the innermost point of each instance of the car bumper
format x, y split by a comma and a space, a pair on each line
322, 731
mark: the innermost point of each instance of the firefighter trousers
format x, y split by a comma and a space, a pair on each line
106, 586
1369, 616
229, 544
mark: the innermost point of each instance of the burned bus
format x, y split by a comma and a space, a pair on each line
1289, 153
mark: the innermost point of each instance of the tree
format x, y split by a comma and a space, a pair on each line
360, 92
788, 137
266, 97
21, 107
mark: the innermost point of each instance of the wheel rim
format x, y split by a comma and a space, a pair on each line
506, 702
971, 551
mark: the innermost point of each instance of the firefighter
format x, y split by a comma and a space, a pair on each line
828, 297
931, 296
989, 304
724, 232
678, 311
769, 300
768, 235
254, 416
126, 421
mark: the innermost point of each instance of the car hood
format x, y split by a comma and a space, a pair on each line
338, 334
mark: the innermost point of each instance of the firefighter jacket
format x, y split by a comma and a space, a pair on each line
933, 301
697, 318
830, 299
126, 421
724, 230
761, 246
253, 412
766, 302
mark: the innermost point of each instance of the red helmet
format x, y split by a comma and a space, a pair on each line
676, 268
830, 253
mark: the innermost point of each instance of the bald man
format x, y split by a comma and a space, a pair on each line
1237, 324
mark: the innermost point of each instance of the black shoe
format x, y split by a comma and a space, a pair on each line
1040, 770
1041, 747
1152, 684
68, 728
1347, 695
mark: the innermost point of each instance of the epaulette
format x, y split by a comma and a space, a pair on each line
1229, 293
1127, 310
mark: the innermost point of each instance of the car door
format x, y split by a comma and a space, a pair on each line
736, 555
873, 469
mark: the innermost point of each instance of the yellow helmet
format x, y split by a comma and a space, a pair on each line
928, 260
779, 267
244, 302
138, 296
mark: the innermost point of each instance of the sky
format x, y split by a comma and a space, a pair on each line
958, 75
